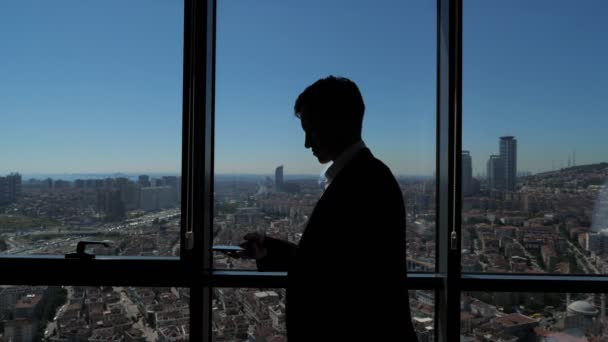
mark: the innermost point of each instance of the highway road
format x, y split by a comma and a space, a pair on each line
72, 237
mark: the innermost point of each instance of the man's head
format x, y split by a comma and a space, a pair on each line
331, 112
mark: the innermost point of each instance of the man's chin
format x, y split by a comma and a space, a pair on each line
323, 160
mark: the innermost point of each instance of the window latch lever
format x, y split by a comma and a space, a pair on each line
454, 240
80, 250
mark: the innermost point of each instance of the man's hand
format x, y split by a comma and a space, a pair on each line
253, 247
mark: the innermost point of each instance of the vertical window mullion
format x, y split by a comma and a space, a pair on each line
447, 305
199, 45
209, 143
456, 111
187, 174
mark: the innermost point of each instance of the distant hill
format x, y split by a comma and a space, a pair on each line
580, 176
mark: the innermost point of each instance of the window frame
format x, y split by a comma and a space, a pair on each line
143, 271
193, 268
56, 269
448, 281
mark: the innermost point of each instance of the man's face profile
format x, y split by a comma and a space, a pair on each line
316, 139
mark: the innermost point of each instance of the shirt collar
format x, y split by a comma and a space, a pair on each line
343, 159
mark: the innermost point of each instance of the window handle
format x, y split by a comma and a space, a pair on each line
80, 250
454, 240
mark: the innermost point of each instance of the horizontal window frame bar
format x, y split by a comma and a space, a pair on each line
7, 258
471, 282
55, 269
254, 279
171, 271
149, 271
101, 271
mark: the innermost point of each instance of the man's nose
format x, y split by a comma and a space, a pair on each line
307, 142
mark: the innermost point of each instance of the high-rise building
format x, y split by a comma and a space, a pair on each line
109, 201
3, 190
129, 192
174, 183
467, 173
10, 188
170, 181
144, 181
154, 198
502, 168
495, 171
278, 178
508, 154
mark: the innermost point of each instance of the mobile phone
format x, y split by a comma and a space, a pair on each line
227, 248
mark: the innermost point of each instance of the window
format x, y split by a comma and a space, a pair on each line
533, 174
265, 180
92, 150
113, 72
92, 130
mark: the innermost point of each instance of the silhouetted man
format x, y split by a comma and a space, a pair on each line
346, 277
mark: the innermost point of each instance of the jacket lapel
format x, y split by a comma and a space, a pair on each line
328, 196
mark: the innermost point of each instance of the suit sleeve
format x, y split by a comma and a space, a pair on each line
279, 257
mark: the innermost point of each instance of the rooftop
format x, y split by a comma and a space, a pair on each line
514, 319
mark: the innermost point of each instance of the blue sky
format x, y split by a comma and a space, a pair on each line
96, 86
536, 70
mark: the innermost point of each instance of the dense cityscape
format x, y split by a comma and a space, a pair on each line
138, 216
550, 222
512, 221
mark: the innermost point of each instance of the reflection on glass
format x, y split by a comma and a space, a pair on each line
265, 179
91, 132
76, 313
241, 314
534, 168
539, 316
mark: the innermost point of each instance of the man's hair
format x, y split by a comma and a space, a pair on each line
332, 100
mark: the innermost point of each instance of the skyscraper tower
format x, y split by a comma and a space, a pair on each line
3, 190
10, 188
495, 169
508, 156
144, 181
278, 178
14, 186
467, 173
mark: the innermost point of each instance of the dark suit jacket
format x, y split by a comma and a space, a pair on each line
346, 276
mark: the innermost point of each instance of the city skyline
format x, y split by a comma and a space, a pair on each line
135, 174
506, 165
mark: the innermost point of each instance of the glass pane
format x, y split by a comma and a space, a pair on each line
244, 314
265, 179
534, 118
538, 316
76, 313
91, 132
